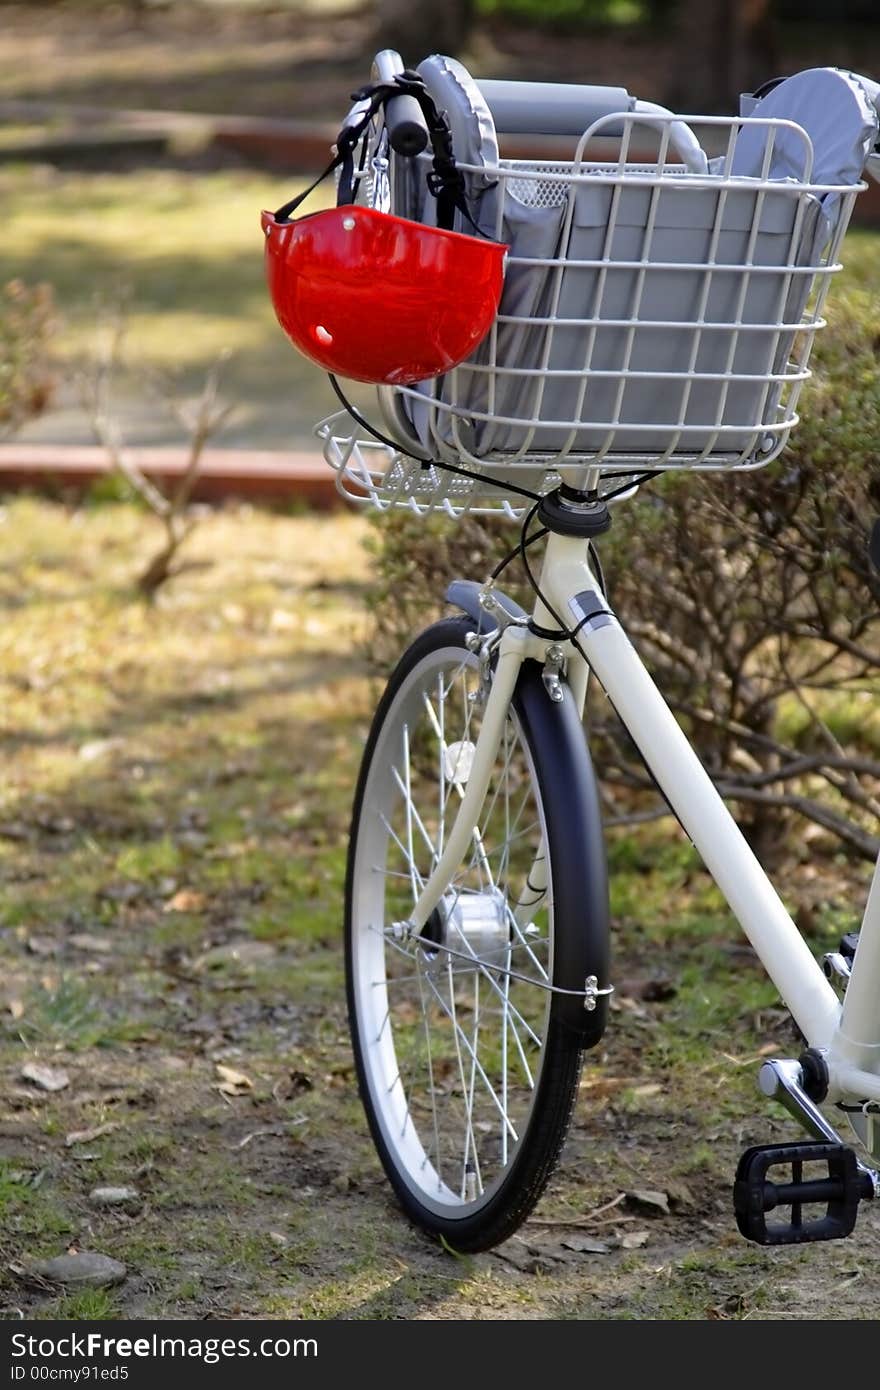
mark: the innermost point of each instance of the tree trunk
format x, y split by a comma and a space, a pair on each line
416, 29
730, 47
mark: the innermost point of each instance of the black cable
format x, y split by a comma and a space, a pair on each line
467, 472
564, 633
635, 480
570, 634
597, 566
502, 565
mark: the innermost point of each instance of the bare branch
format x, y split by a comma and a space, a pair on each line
199, 422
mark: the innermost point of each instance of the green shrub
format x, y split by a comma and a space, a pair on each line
27, 321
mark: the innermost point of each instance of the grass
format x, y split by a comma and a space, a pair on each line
175, 788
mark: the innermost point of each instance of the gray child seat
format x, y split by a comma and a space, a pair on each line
649, 312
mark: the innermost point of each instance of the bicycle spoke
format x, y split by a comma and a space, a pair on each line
432, 1089
413, 870
419, 823
461, 1036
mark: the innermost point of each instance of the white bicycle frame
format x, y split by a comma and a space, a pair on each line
848, 1035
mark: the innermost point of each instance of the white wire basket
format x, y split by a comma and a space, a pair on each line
653, 317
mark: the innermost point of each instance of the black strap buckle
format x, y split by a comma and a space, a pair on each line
445, 181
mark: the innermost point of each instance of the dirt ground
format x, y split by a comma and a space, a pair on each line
173, 807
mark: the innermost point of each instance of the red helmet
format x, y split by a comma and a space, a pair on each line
377, 298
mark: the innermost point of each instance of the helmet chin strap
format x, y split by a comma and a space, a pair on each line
445, 181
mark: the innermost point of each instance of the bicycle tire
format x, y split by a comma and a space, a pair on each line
471, 1213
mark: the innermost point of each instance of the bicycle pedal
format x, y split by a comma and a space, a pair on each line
838, 1193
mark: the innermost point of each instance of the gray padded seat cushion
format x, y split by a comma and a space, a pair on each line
837, 114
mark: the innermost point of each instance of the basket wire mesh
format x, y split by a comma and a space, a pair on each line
653, 318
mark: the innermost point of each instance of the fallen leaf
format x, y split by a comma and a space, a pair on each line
85, 1136
650, 1088
649, 1200
16, 1008
599, 1086
585, 1245
294, 1084
185, 900
47, 1078
634, 1240
232, 1082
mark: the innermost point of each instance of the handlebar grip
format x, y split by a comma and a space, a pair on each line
407, 131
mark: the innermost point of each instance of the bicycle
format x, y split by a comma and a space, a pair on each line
657, 313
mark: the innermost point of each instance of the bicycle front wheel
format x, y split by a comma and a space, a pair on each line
468, 1039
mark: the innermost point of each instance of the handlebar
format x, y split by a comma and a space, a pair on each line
407, 131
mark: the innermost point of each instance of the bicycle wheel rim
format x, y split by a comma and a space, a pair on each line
453, 1122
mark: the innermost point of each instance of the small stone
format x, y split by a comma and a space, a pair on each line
85, 1270
124, 891
680, 1196
47, 1078
85, 941
14, 830
56, 825
114, 1197
241, 953
43, 945
193, 839
98, 748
